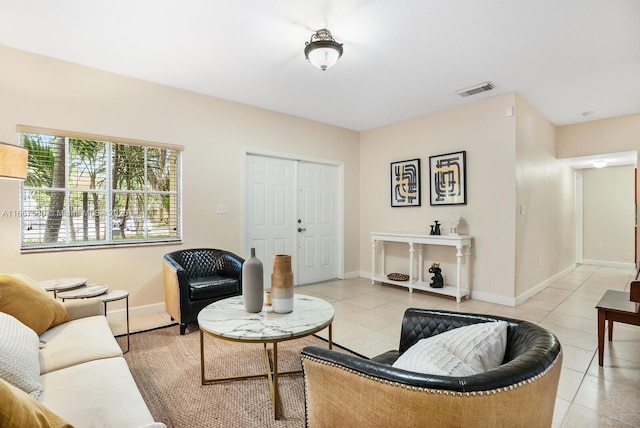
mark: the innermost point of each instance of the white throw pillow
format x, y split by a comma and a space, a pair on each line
462, 351
19, 363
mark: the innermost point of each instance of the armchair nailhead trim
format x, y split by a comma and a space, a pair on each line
439, 391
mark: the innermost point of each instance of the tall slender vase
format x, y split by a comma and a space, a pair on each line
252, 283
282, 284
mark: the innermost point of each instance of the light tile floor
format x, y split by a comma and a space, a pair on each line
368, 321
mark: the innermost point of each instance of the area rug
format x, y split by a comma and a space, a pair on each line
166, 367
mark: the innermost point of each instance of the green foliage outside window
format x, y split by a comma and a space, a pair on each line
85, 192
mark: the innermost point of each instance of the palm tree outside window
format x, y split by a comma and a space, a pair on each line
85, 190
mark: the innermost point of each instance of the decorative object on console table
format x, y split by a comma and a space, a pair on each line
282, 284
437, 281
448, 179
405, 183
252, 283
454, 220
435, 228
395, 276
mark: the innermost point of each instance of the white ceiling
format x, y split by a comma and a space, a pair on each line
402, 58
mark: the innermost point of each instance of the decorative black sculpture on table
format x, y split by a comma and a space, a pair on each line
437, 281
435, 228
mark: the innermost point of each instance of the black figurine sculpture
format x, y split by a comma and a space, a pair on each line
435, 228
437, 281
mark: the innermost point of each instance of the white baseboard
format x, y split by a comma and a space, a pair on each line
511, 301
120, 314
352, 275
492, 298
541, 286
604, 263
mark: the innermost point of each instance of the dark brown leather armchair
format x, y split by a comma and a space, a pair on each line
194, 278
342, 390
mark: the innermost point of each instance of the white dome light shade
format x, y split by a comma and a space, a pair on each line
324, 51
600, 164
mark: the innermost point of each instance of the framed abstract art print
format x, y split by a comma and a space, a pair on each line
448, 179
405, 183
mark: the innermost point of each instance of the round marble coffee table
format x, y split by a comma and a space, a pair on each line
226, 319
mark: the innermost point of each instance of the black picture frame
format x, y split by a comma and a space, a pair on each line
448, 179
405, 183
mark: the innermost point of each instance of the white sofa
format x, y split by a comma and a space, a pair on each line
84, 378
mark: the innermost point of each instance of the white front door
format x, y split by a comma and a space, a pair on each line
317, 222
270, 214
283, 197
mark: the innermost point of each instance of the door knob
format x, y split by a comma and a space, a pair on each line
301, 229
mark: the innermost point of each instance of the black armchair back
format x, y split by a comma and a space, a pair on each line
194, 278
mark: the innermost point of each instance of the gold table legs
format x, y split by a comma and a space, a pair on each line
271, 365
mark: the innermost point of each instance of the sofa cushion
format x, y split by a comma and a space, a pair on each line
76, 342
19, 355
20, 410
462, 351
212, 286
100, 393
23, 298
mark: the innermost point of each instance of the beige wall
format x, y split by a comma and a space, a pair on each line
40, 91
608, 222
488, 136
618, 134
545, 225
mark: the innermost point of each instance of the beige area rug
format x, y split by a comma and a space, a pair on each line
166, 367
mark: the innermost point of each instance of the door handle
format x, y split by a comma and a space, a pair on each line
301, 229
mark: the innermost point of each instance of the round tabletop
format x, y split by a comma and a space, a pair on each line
113, 295
60, 284
84, 292
227, 319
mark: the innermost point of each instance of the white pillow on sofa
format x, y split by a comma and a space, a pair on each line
462, 351
19, 361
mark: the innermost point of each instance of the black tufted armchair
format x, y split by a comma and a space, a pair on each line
194, 278
343, 390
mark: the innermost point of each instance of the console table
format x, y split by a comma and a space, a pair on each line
462, 244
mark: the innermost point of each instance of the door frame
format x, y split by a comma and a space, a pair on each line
289, 156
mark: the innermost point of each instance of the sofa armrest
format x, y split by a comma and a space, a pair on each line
83, 308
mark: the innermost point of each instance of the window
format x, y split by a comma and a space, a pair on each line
85, 190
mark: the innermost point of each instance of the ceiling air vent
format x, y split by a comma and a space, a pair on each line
476, 89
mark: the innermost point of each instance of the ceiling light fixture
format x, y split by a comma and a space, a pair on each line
599, 164
322, 50
13, 161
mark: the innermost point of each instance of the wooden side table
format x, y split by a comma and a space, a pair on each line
616, 306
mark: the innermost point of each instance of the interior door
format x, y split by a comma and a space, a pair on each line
317, 222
